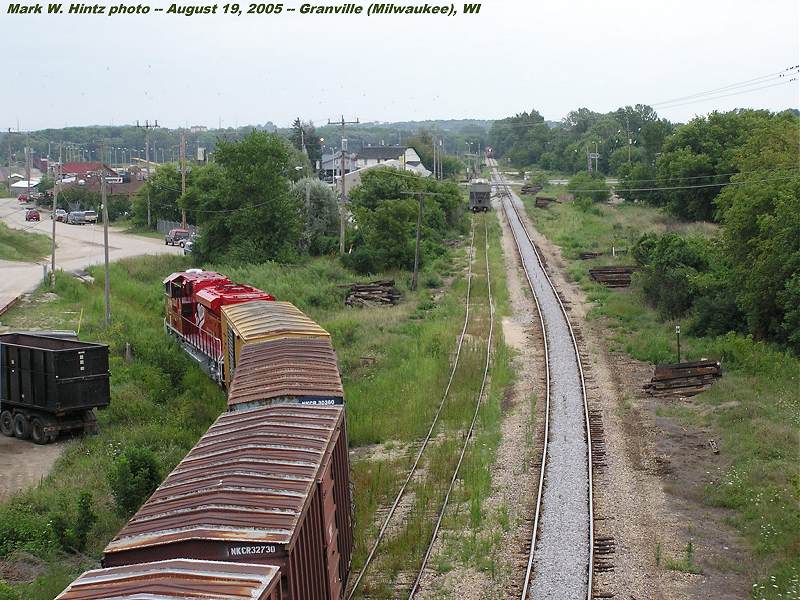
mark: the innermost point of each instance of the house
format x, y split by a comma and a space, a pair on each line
375, 155
330, 165
84, 169
353, 179
24, 186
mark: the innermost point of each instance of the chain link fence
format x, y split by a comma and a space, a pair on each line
163, 226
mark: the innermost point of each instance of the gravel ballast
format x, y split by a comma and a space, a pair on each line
561, 556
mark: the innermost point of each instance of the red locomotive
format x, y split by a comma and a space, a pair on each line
194, 299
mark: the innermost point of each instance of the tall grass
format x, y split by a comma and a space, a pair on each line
22, 245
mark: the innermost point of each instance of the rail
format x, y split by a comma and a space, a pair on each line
199, 339
426, 440
537, 517
468, 437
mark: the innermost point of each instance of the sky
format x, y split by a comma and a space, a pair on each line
515, 55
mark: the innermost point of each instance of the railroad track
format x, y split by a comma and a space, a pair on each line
561, 551
373, 554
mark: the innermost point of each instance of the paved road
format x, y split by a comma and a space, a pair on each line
78, 246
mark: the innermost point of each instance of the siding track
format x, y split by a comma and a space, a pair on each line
390, 516
560, 557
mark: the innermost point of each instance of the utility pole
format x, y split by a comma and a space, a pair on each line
147, 127
420, 198
183, 177
8, 175
53, 214
343, 124
103, 196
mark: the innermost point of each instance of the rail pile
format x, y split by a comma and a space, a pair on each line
373, 294
683, 380
613, 277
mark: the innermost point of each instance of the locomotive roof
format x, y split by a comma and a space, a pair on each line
260, 319
197, 275
216, 295
247, 479
176, 579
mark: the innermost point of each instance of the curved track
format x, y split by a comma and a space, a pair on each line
401, 492
560, 557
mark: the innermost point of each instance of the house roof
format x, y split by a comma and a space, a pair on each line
84, 168
382, 152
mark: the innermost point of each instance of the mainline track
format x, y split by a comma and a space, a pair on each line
425, 442
560, 557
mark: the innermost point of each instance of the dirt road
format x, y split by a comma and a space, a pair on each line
78, 246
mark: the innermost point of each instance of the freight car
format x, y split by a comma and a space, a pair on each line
178, 580
49, 385
259, 321
301, 371
480, 193
267, 486
193, 300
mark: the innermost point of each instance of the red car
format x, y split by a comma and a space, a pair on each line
32, 215
23, 198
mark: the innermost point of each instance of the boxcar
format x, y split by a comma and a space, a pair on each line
49, 385
260, 321
298, 371
480, 194
266, 486
178, 580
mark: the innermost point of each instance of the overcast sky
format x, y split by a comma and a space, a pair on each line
552, 55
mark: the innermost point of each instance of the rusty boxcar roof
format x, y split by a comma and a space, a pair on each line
286, 367
262, 319
247, 479
178, 579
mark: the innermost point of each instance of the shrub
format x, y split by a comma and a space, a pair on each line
133, 477
7, 592
588, 185
72, 527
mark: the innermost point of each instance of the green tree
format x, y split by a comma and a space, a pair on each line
304, 134
164, 190
78, 198
321, 215
134, 475
244, 203
386, 215
761, 228
699, 153
591, 186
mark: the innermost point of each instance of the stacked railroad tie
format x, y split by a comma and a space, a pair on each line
683, 380
614, 277
530, 188
374, 293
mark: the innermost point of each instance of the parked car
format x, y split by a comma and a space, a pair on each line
23, 198
187, 247
59, 215
76, 218
177, 237
31, 214
89, 216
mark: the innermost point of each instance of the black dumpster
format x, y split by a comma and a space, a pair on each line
49, 384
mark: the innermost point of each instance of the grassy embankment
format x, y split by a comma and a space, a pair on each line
394, 362
22, 245
755, 407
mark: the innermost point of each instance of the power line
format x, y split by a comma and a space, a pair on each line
746, 82
738, 93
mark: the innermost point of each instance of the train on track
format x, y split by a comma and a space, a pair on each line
480, 195
263, 501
